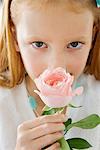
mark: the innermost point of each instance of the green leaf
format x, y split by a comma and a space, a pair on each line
60, 110
78, 143
68, 122
73, 106
49, 111
87, 123
64, 144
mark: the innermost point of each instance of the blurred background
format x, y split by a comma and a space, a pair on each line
0, 2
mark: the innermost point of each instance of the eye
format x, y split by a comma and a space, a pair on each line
39, 44
75, 45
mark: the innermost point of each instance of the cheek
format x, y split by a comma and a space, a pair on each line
78, 64
33, 62
78, 68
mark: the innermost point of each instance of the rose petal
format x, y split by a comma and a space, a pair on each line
62, 89
55, 87
55, 101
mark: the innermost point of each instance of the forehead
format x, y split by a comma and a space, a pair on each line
58, 20
17, 6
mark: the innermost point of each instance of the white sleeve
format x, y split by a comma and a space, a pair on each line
7, 123
13, 107
90, 102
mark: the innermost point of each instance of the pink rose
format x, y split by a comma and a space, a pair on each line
55, 87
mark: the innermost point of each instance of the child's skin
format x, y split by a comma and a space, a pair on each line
58, 28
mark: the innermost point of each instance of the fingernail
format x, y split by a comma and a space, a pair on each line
58, 145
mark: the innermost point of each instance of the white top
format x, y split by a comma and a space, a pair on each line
14, 109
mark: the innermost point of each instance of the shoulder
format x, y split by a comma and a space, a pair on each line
4, 93
91, 94
8, 117
90, 83
13, 107
9, 97
91, 86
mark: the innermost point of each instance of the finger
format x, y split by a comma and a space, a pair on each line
55, 146
41, 120
44, 130
46, 140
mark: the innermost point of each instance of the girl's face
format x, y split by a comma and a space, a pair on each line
54, 37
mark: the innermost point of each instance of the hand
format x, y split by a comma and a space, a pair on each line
55, 146
41, 132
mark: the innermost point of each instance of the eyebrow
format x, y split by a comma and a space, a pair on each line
36, 38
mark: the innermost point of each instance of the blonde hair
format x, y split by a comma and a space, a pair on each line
12, 71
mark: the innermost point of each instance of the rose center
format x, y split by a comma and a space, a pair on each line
54, 80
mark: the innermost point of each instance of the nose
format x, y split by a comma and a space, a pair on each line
57, 59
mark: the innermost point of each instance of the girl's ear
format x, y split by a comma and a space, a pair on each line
15, 38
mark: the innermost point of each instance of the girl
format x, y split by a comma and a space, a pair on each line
40, 34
